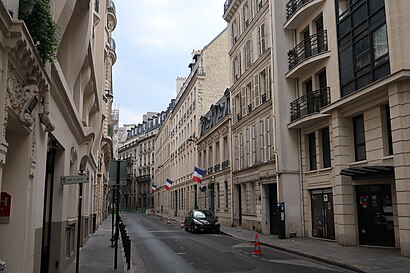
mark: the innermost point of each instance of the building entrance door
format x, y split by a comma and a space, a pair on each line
375, 215
323, 225
273, 209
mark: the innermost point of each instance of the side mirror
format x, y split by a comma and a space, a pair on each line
216, 217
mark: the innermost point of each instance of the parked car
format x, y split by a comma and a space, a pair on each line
200, 220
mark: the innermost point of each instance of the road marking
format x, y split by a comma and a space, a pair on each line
181, 253
243, 245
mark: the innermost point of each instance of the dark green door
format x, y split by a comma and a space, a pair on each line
273, 209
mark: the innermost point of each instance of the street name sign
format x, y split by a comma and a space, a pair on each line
74, 179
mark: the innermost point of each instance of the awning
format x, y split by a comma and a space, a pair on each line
368, 172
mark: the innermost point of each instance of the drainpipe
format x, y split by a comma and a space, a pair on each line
44, 117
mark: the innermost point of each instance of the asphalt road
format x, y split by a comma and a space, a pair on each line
166, 248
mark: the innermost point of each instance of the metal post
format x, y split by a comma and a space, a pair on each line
117, 215
80, 198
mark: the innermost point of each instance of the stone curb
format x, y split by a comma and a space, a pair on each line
320, 259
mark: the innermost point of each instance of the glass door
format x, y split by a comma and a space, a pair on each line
322, 214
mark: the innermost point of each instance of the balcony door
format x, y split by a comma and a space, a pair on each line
322, 88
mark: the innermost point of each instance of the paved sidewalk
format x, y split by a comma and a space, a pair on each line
97, 256
357, 258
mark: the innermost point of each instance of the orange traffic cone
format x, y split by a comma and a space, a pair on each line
182, 223
168, 221
257, 249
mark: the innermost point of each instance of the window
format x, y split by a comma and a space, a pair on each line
250, 141
312, 151
248, 54
362, 53
249, 97
325, 147
261, 37
241, 157
264, 80
217, 153
343, 6
245, 16
226, 148
359, 138
234, 32
237, 152
380, 47
265, 140
226, 194
219, 196
386, 129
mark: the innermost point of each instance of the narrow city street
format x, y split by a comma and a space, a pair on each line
168, 248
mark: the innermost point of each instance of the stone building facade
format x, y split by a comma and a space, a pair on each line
347, 86
175, 149
139, 151
52, 125
214, 149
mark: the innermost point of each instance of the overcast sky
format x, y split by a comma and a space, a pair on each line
154, 41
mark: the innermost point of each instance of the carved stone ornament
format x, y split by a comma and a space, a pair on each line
22, 98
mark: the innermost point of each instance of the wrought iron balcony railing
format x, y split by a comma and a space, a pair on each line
293, 6
143, 178
217, 167
225, 165
111, 7
210, 170
309, 103
311, 46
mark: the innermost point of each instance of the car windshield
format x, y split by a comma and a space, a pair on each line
202, 214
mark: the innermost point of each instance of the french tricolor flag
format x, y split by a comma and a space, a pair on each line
168, 184
154, 187
198, 174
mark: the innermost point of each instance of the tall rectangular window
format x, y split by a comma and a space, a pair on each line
386, 129
262, 140
326, 147
248, 54
219, 196
226, 149
359, 138
237, 152
380, 46
226, 194
312, 151
241, 156
262, 40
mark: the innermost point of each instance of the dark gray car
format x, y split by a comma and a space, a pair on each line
199, 220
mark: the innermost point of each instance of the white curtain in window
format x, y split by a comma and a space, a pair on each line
380, 47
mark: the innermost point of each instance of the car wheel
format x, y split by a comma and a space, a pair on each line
186, 228
192, 228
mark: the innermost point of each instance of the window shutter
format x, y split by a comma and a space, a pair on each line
268, 139
268, 83
253, 144
262, 139
243, 102
248, 146
236, 153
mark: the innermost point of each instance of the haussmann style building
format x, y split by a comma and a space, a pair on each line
54, 123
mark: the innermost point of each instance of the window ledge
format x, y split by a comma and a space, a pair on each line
358, 163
